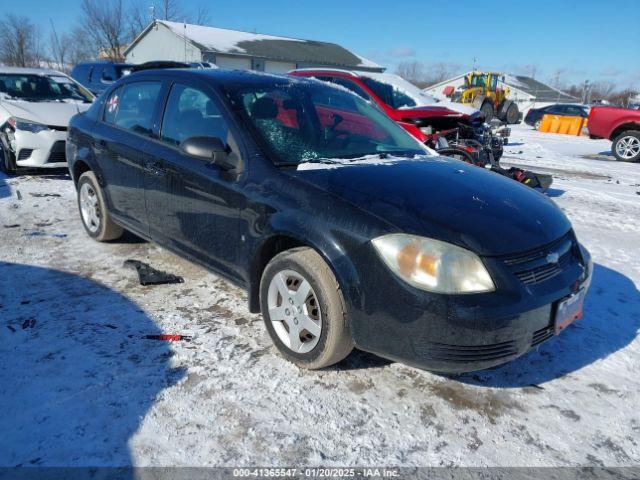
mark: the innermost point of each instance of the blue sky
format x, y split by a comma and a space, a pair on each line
569, 39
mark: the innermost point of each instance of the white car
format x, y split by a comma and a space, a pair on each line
35, 107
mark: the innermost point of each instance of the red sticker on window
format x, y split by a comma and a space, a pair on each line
112, 106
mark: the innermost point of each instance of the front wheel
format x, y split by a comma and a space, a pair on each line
513, 114
626, 146
303, 309
487, 111
93, 210
7, 163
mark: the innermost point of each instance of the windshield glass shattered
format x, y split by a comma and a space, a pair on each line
41, 88
311, 121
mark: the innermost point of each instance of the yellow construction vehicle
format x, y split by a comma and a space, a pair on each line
481, 90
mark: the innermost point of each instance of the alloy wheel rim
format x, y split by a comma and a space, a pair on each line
294, 311
628, 147
89, 208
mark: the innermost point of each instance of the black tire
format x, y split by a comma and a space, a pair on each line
512, 115
632, 139
105, 229
458, 154
488, 111
7, 163
335, 341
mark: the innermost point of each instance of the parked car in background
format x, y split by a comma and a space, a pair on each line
420, 114
202, 65
340, 225
534, 115
35, 108
431, 121
621, 126
98, 75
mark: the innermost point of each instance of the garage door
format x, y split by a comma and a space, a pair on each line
233, 63
278, 67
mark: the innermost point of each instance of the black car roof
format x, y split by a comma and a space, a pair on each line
220, 76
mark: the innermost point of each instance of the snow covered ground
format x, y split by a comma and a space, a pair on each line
79, 385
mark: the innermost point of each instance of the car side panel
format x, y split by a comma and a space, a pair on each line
603, 121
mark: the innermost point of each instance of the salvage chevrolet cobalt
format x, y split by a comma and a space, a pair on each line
341, 226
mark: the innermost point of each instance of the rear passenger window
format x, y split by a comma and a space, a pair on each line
191, 113
349, 85
112, 105
132, 107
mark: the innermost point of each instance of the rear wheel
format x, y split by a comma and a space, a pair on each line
93, 210
626, 146
487, 111
303, 309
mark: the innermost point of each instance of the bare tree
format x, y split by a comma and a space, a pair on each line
59, 48
201, 16
426, 74
170, 10
79, 47
412, 71
105, 25
19, 42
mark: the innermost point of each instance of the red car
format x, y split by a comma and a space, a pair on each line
419, 114
620, 125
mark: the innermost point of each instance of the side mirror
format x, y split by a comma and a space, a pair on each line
211, 149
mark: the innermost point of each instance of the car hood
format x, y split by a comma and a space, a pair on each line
56, 114
445, 199
435, 110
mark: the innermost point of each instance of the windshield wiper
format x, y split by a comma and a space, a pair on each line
331, 161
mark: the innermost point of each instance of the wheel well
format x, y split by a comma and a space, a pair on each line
623, 128
78, 169
269, 249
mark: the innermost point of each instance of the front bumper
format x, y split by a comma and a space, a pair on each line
462, 333
44, 149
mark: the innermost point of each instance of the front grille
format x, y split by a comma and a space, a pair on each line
541, 335
25, 153
469, 353
537, 266
57, 153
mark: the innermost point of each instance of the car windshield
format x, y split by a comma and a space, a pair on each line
311, 121
42, 88
396, 92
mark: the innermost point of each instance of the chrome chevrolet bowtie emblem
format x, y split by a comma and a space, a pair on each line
553, 257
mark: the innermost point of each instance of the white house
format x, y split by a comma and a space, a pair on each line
164, 40
527, 92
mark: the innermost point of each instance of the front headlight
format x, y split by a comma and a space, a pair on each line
433, 265
26, 125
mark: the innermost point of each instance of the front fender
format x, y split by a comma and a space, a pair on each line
331, 244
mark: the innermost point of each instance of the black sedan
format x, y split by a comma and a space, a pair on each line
534, 115
342, 227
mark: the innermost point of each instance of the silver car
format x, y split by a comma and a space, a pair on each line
35, 107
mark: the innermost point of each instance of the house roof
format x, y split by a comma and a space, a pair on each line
233, 42
541, 92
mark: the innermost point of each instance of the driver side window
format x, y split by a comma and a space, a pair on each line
190, 112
